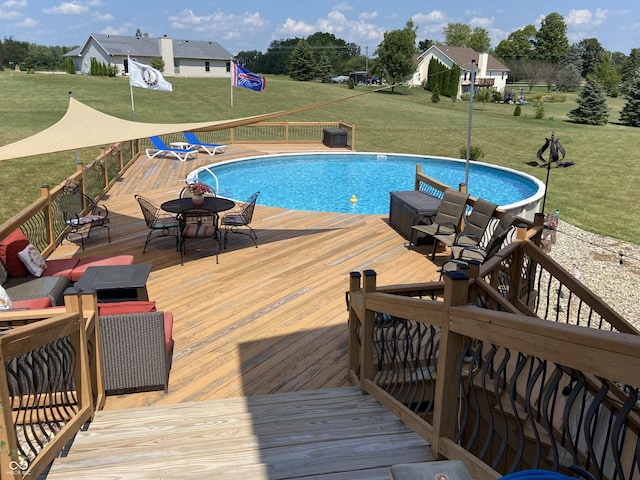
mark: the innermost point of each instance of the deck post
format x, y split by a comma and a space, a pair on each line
456, 291
356, 308
367, 370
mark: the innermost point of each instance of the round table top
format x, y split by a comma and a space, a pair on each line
215, 204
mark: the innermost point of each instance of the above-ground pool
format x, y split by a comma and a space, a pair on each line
360, 182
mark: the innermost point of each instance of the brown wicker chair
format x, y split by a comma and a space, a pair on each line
135, 354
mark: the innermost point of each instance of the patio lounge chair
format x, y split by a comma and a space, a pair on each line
160, 148
210, 148
81, 215
242, 217
474, 227
448, 217
159, 223
463, 254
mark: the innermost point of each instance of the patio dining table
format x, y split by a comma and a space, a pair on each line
215, 204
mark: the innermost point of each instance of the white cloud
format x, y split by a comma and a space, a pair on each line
68, 8
9, 15
481, 22
104, 17
28, 23
368, 15
430, 24
15, 4
293, 28
228, 26
343, 6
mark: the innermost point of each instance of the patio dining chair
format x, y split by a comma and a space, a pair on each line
233, 221
81, 215
447, 219
160, 224
197, 223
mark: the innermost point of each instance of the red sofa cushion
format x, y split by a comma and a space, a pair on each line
86, 262
119, 308
60, 267
9, 248
168, 330
33, 304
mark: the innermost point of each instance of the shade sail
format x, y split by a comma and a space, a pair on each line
83, 126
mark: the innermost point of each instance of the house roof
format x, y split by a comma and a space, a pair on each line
150, 47
463, 56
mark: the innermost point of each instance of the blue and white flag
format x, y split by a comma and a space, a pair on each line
144, 76
245, 79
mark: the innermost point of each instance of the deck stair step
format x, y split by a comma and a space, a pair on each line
329, 434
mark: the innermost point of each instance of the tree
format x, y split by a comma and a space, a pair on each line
607, 75
276, 59
336, 49
457, 34
140, 34
592, 54
425, 44
630, 113
251, 60
592, 106
301, 63
479, 40
519, 45
551, 40
157, 63
395, 54
461, 35
324, 69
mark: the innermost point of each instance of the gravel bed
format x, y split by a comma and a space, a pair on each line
608, 267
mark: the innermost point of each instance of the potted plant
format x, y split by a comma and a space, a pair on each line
198, 191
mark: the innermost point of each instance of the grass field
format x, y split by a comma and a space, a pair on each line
599, 193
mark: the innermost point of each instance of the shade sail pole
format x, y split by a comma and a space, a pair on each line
231, 87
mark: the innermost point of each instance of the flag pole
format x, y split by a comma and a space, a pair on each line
231, 84
133, 109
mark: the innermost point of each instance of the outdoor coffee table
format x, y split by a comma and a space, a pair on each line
116, 283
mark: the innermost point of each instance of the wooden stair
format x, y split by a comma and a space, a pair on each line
330, 434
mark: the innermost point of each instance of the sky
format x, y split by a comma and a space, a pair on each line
252, 25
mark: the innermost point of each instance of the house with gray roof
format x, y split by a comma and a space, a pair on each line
183, 58
489, 72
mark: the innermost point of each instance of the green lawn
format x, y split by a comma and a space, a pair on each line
599, 193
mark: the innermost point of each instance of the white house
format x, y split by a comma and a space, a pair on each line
184, 58
489, 72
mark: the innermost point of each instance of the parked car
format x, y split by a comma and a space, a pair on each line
340, 79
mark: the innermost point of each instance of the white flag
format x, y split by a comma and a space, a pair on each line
144, 76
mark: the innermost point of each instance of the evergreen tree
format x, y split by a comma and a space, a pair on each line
551, 40
71, 68
630, 114
324, 69
454, 81
301, 64
435, 95
592, 106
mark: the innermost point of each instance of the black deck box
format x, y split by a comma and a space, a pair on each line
412, 207
334, 137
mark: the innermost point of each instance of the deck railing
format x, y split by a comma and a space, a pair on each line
497, 379
47, 386
267, 132
42, 222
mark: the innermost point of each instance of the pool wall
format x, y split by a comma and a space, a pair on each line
525, 208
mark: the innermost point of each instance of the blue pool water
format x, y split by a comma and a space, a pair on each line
327, 182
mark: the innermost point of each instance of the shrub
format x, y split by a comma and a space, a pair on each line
435, 95
540, 110
465, 96
475, 152
351, 83
517, 111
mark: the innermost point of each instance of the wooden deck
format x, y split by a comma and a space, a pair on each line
265, 320
331, 434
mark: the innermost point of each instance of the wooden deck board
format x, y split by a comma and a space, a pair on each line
329, 433
265, 320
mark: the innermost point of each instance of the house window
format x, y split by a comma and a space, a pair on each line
465, 75
228, 66
207, 68
176, 65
